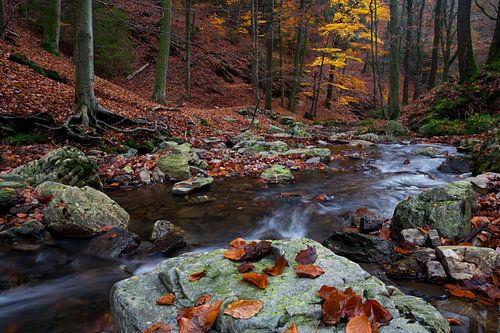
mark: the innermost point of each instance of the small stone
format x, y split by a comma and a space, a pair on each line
128, 169
435, 271
313, 160
131, 152
166, 237
192, 185
434, 238
145, 176
413, 236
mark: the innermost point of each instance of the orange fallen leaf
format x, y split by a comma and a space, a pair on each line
454, 321
385, 233
359, 324
198, 319
260, 280
400, 250
236, 250
167, 299
380, 313
158, 328
245, 267
457, 292
114, 184
332, 309
198, 275
326, 292
278, 268
309, 271
292, 329
243, 309
203, 299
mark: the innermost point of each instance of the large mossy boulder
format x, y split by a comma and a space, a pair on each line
299, 130
394, 128
80, 212
447, 208
67, 165
487, 158
287, 298
174, 166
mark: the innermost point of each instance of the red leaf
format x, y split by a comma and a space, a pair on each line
198, 319
197, 276
203, 299
380, 313
158, 328
331, 309
245, 267
326, 292
351, 305
309, 271
260, 280
167, 299
255, 251
236, 249
278, 268
454, 321
307, 256
359, 324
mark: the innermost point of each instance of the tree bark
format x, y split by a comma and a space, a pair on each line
435, 44
255, 52
163, 53
418, 65
281, 62
408, 49
52, 26
394, 61
466, 63
268, 105
187, 32
494, 51
449, 16
3, 25
296, 62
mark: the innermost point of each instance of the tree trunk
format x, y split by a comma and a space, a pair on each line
282, 68
329, 88
466, 64
435, 44
418, 65
268, 105
317, 85
296, 62
409, 46
52, 26
449, 14
394, 61
163, 53
255, 52
187, 70
494, 52
3, 25
379, 82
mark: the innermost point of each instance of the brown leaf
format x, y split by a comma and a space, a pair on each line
400, 250
198, 275
167, 299
203, 299
307, 256
326, 292
309, 271
243, 309
292, 329
198, 319
351, 307
331, 309
454, 321
158, 328
260, 280
236, 250
359, 324
255, 251
278, 268
245, 267
457, 292
380, 313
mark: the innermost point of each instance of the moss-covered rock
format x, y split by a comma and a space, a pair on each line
323, 153
395, 128
174, 166
299, 130
261, 146
67, 165
80, 212
287, 299
277, 174
487, 158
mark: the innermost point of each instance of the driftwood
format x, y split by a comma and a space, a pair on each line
134, 74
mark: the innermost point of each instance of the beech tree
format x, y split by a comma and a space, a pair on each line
494, 51
269, 55
163, 53
435, 44
187, 56
408, 49
394, 61
52, 26
466, 63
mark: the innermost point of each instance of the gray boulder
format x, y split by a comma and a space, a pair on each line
447, 208
166, 237
277, 174
173, 166
261, 146
428, 151
67, 165
413, 236
192, 185
287, 120
77, 212
29, 231
299, 130
114, 243
455, 164
286, 300
464, 262
10, 186
275, 129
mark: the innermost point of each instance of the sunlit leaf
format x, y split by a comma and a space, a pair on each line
243, 309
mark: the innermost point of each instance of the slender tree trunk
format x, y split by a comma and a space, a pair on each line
255, 52
282, 68
163, 53
466, 64
296, 62
494, 51
187, 70
449, 14
52, 26
379, 82
329, 88
269, 56
435, 44
3, 24
317, 88
408, 49
418, 66
372, 54
394, 61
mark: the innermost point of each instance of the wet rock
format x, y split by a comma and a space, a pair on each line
434, 238
372, 137
287, 299
435, 271
77, 212
360, 247
275, 129
455, 164
360, 143
447, 208
277, 174
412, 266
173, 166
67, 165
487, 158
370, 222
298, 130
128, 169
8, 197
145, 176
166, 237
114, 243
31, 231
413, 236
192, 185
486, 182
394, 128
468, 145
323, 153
313, 160
464, 262
428, 151
261, 146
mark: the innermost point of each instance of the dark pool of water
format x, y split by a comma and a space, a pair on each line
64, 290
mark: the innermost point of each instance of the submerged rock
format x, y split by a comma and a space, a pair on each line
447, 208
29, 231
166, 237
77, 212
464, 262
428, 151
114, 243
67, 165
455, 164
192, 185
360, 247
277, 174
287, 299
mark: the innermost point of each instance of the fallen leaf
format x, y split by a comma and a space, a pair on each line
292, 329
158, 328
307, 256
255, 251
385, 233
198, 275
351, 305
454, 321
167, 299
203, 299
236, 250
278, 268
309, 271
243, 309
400, 250
359, 324
380, 313
198, 319
457, 292
331, 309
245, 267
326, 292
260, 280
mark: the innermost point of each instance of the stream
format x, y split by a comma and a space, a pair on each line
61, 289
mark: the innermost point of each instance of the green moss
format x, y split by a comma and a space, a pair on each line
368, 126
446, 108
438, 127
24, 139
395, 128
204, 122
143, 147
48, 73
480, 123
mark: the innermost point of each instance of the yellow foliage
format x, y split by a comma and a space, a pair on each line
345, 100
217, 22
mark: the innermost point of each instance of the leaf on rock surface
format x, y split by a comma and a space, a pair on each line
359, 324
198, 275
243, 309
254, 251
278, 268
245, 267
454, 321
203, 299
158, 328
307, 256
260, 280
292, 329
309, 271
326, 292
167, 299
198, 319
332, 309
380, 313
236, 249
352, 306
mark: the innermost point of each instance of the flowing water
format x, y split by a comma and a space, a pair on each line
63, 290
